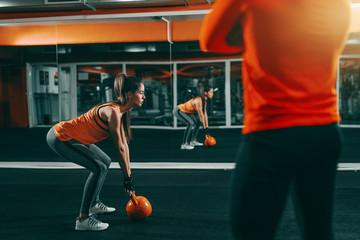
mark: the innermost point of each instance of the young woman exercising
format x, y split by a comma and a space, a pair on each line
186, 113
74, 141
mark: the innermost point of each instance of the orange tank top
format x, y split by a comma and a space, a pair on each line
189, 106
88, 128
290, 52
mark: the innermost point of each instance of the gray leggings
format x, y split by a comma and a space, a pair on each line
192, 122
90, 157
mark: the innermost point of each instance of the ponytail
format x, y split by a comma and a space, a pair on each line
204, 88
122, 86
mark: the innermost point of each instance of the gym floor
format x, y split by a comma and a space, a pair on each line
43, 202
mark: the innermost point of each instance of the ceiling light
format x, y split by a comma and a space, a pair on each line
355, 5
352, 41
135, 48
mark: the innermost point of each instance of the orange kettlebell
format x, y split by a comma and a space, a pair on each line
209, 141
138, 207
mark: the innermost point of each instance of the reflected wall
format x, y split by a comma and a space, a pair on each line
44, 87
158, 105
65, 81
349, 91
236, 89
95, 84
191, 76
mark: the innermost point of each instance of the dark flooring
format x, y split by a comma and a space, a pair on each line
187, 204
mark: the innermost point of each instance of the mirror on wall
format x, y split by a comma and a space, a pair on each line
13, 97
42, 79
90, 69
68, 78
192, 76
43, 94
349, 91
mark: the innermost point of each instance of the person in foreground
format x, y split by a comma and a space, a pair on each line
74, 141
186, 112
291, 139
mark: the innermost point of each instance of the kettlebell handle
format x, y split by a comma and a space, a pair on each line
133, 199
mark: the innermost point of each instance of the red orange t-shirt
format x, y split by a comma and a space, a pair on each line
290, 51
88, 128
189, 106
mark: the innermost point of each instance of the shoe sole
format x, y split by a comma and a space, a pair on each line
97, 213
90, 230
184, 148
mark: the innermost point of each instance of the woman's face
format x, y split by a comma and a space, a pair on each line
139, 96
210, 93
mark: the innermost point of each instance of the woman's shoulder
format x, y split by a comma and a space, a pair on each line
111, 105
197, 100
109, 108
114, 107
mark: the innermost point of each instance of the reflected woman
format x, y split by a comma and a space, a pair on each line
186, 113
74, 141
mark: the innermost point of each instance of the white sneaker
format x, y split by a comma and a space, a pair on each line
100, 208
90, 224
196, 143
186, 147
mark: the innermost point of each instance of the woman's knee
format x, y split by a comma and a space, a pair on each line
100, 155
100, 169
192, 124
103, 167
107, 161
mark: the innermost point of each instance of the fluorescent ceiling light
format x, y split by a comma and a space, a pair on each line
135, 48
355, 5
352, 41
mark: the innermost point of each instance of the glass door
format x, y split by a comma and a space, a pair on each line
42, 94
67, 91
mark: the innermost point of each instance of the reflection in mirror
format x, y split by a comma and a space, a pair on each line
65, 80
157, 108
87, 72
349, 91
14, 92
45, 89
42, 85
191, 76
236, 89
95, 84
